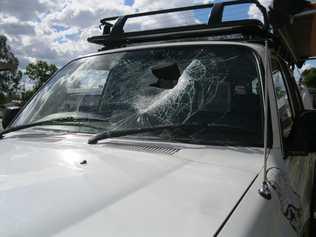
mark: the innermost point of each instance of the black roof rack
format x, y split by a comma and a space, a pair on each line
114, 36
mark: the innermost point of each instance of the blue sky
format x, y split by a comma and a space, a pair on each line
57, 30
129, 2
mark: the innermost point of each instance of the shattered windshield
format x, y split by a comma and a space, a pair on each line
194, 85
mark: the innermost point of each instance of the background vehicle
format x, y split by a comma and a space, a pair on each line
191, 136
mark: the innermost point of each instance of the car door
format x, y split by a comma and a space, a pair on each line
296, 186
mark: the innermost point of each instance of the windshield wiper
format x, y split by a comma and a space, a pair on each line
58, 121
125, 132
121, 133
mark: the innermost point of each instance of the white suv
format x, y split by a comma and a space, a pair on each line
189, 138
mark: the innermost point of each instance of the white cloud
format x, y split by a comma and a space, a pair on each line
57, 30
306, 66
164, 20
23, 10
255, 13
146, 5
16, 28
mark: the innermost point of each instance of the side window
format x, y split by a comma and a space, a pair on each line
283, 101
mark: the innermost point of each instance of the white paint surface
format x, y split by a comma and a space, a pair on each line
45, 191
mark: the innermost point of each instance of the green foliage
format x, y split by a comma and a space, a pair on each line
40, 72
26, 95
2, 99
309, 77
10, 76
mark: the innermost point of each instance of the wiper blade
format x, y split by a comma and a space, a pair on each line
57, 121
120, 133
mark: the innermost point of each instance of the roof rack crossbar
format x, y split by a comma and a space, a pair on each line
114, 35
194, 7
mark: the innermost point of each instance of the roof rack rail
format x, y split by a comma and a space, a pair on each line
114, 36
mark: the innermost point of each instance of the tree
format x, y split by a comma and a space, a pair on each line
27, 95
10, 76
40, 72
309, 77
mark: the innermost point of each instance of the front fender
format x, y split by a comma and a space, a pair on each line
256, 216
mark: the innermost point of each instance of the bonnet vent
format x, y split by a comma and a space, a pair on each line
145, 147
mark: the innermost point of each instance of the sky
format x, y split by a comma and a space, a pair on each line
57, 30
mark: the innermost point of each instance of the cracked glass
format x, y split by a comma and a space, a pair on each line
214, 88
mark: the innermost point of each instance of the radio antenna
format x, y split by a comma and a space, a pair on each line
264, 191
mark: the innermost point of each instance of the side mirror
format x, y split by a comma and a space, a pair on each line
9, 114
302, 138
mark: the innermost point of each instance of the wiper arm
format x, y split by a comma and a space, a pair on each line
120, 133
57, 121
